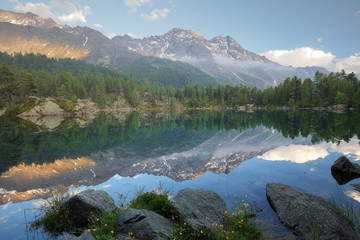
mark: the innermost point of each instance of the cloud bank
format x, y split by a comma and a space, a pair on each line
306, 56
70, 13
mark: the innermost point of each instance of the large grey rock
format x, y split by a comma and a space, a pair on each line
344, 171
309, 216
199, 208
83, 204
144, 224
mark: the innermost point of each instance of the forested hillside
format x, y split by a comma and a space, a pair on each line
37, 75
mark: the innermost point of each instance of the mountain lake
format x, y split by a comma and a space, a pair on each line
230, 152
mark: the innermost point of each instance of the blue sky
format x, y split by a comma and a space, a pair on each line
299, 33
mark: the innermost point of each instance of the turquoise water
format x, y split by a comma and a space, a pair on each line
231, 153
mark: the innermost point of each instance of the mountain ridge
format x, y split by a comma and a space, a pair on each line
223, 59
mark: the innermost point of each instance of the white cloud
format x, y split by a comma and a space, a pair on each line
156, 14
306, 56
319, 39
353, 194
75, 16
106, 186
71, 14
350, 64
358, 12
4, 207
98, 25
39, 203
296, 153
301, 57
134, 4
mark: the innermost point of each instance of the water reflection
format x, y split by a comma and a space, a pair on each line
306, 153
226, 152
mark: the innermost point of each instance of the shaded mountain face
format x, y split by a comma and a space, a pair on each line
222, 57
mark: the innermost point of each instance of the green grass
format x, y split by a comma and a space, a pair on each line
101, 227
53, 218
152, 201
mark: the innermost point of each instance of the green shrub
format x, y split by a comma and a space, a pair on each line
158, 203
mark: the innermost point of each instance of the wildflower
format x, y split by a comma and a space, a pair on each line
225, 212
225, 195
207, 218
227, 237
94, 230
125, 208
89, 230
180, 233
51, 203
242, 200
97, 219
233, 214
184, 224
112, 231
201, 232
245, 195
234, 195
105, 225
212, 224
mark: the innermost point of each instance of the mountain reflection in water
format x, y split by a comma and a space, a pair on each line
181, 148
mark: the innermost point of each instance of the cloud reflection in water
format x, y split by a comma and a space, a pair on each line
306, 153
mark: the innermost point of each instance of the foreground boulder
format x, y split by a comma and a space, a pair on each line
199, 208
309, 216
344, 171
82, 205
144, 224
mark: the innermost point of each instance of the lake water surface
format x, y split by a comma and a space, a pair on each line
231, 153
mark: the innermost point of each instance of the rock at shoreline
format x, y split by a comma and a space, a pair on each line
84, 203
344, 171
144, 224
309, 216
199, 208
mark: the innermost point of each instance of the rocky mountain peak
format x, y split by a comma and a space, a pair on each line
179, 33
28, 19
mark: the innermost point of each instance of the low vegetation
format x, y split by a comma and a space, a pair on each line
239, 224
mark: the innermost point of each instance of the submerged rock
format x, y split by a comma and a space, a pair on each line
199, 208
344, 171
83, 204
309, 216
144, 224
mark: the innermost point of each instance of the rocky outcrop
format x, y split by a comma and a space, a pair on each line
82, 205
199, 208
309, 216
344, 171
143, 224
